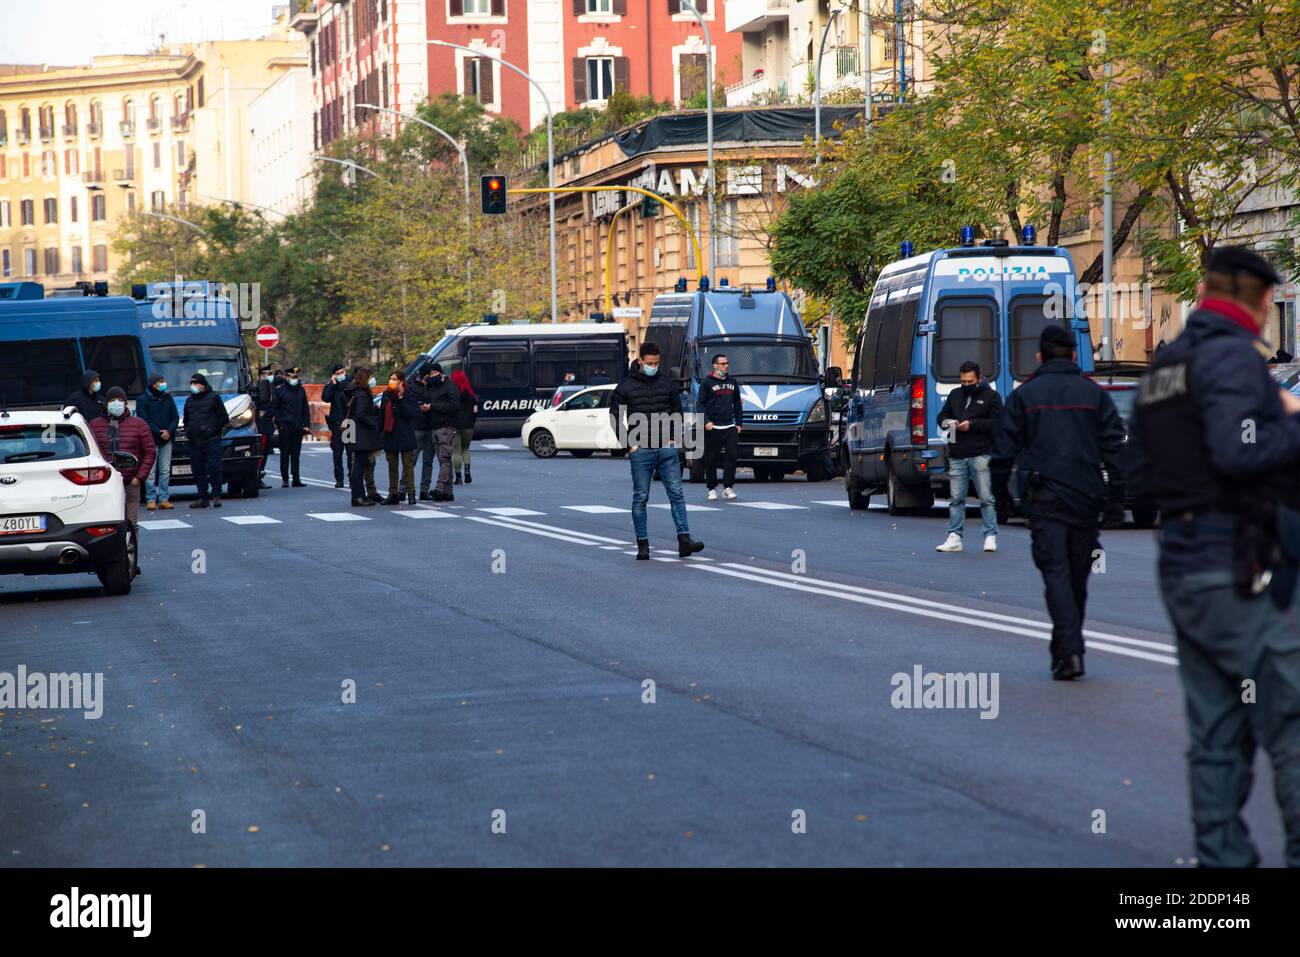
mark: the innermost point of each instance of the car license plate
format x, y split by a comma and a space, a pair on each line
768, 451
21, 524
182, 470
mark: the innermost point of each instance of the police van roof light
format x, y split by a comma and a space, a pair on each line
968, 235
907, 248
1028, 234
680, 285
724, 282
771, 284
704, 284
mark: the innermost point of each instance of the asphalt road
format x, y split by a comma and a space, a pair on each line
500, 661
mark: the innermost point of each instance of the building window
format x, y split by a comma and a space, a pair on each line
5, 266
157, 155
599, 6
51, 262
692, 74
728, 234
76, 260
158, 199
180, 153
97, 210
478, 79
49, 164
477, 8
675, 7
29, 262
99, 258
692, 217
4, 129
190, 102
70, 119
130, 202
29, 212
4, 214
600, 77
51, 210
72, 209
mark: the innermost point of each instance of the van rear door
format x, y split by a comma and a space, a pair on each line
968, 326
1036, 286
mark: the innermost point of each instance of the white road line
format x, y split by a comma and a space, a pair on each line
769, 505
531, 531
965, 618
568, 531
250, 520
164, 523
689, 507
595, 509
508, 512
429, 513
839, 503
338, 516
319, 484
494, 446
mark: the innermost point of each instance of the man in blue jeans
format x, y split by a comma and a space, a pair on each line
646, 410
968, 418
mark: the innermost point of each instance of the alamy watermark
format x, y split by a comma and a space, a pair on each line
199, 300
932, 690
660, 430
56, 691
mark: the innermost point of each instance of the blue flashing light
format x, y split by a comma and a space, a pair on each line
907, 249
1028, 234
724, 282
771, 284
704, 284
680, 285
968, 235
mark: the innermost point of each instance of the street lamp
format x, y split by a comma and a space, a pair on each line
690, 8
237, 203
817, 87
550, 155
345, 162
464, 166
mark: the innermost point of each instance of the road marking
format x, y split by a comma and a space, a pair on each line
771, 506
161, 523
427, 513
689, 507
494, 446
595, 509
1116, 644
509, 512
500, 523
838, 503
319, 484
614, 548
250, 520
338, 516
567, 531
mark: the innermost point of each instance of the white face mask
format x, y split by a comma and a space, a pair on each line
293, 382
116, 408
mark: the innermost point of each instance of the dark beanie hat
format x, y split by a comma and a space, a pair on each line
1055, 335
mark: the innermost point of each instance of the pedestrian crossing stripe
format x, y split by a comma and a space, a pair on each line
507, 512
493, 446
338, 517
250, 520
162, 523
595, 509
773, 506
839, 503
690, 507
423, 513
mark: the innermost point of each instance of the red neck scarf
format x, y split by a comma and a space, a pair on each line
1232, 312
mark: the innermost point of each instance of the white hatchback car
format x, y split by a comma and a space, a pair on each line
580, 425
62, 504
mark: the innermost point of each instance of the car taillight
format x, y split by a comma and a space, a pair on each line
916, 411
99, 531
96, 475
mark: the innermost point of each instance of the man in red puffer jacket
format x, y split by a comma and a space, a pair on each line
120, 431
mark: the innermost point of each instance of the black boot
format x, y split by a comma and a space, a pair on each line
687, 547
456, 478
425, 496
642, 550
468, 480
410, 497
361, 502
393, 499
1068, 668
216, 501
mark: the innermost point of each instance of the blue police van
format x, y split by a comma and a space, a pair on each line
46, 344
189, 328
785, 415
929, 314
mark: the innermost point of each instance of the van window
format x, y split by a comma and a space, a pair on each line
887, 347
118, 361
906, 336
499, 367
1028, 317
39, 371
965, 329
864, 371
552, 360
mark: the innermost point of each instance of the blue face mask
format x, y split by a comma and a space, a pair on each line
94, 386
195, 388
116, 408
650, 370
161, 387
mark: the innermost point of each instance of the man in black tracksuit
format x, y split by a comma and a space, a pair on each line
1217, 446
293, 421
1062, 428
719, 401
333, 396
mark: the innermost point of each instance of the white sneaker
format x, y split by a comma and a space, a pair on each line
728, 494
990, 543
950, 544
713, 495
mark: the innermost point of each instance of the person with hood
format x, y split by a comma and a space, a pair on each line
968, 417
293, 421
117, 430
443, 399
397, 436
158, 411
360, 428
334, 395
646, 413
86, 400
421, 411
205, 420
466, 415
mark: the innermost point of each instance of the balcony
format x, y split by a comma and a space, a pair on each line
846, 61
153, 125
181, 122
93, 177
127, 129
758, 90
753, 15
93, 130
69, 131
123, 175
47, 133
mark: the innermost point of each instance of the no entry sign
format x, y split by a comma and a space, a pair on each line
268, 337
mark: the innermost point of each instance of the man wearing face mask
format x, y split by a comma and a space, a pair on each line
292, 421
443, 399
1217, 444
719, 402
86, 400
120, 431
968, 417
205, 419
360, 430
646, 412
334, 395
158, 411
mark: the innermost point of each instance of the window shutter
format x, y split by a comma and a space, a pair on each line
485, 93
457, 8
498, 8
579, 7
674, 6
620, 8
467, 69
621, 73
702, 6
579, 79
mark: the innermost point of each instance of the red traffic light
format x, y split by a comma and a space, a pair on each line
493, 195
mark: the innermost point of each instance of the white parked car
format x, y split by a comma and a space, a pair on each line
579, 425
62, 504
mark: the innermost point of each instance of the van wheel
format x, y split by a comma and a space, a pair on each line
858, 501
581, 453
542, 444
116, 575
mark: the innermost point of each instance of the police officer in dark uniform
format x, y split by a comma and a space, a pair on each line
293, 420
1218, 446
263, 394
1062, 428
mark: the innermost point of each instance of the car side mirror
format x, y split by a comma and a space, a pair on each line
834, 377
125, 460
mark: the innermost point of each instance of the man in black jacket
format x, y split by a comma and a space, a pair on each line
157, 410
333, 395
646, 413
719, 402
205, 420
1062, 428
86, 400
443, 401
292, 421
968, 418
1218, 447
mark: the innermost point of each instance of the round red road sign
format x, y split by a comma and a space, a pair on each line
268, 337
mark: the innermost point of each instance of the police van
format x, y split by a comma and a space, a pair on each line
46, 344
929, 314
515, 368
189, 328
785, 416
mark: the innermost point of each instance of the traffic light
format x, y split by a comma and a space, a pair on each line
650, 207
494, 194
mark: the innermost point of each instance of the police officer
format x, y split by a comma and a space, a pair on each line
1218, 444
293, 420
263, 393
334, 396
1062, 428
